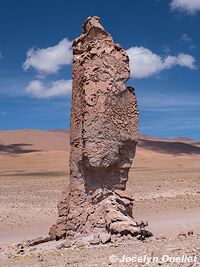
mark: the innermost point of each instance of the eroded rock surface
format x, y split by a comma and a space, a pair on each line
104, 134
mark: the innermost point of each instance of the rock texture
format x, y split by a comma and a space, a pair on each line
104, 134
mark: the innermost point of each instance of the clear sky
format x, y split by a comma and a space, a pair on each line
161, 38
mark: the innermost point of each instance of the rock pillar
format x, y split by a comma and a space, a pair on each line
104, 134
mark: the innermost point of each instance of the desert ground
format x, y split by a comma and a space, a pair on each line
164, 181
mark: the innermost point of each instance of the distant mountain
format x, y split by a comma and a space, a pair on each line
60, 130
29, 141
46, 152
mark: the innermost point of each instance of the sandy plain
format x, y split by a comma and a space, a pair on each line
164, 181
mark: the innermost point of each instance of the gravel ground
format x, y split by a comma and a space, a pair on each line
178, 251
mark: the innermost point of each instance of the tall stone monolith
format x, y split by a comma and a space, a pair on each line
104, 134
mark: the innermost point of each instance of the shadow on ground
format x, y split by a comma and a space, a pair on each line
174, 148
17, 149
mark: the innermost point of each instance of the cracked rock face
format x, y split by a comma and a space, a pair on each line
104, 134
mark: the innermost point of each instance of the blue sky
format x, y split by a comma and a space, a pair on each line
161, 38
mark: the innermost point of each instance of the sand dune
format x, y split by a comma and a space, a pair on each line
17, 141
28, 140
38, 151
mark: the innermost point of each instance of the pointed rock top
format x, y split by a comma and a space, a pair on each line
92, 29
92, 22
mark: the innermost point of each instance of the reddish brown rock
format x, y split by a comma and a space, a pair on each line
104, 134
